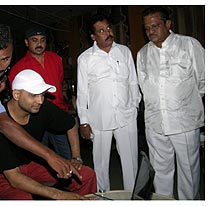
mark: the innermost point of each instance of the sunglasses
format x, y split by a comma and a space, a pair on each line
5, 73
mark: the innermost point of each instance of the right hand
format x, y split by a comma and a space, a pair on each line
85, 131
62, 166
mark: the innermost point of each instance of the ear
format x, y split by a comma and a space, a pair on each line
168, 24
93, 37
26, 42
16, 94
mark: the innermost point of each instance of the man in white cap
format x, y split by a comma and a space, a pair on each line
23, 174
10, 128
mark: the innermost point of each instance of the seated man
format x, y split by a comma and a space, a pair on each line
18, 135
24, 174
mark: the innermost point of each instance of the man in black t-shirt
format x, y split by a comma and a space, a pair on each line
22, 173
10, 128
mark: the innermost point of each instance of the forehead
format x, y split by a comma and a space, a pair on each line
100, 24
37, 37
5, 52
152, 18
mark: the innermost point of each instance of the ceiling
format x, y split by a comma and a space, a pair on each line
56, 17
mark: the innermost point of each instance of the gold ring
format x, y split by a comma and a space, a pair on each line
70, 171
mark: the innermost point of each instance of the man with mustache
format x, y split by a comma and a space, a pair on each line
49, 65
107, 100
171, 72
13, 131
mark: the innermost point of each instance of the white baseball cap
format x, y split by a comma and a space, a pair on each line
32, 82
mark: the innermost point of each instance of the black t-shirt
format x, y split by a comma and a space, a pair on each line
50, 117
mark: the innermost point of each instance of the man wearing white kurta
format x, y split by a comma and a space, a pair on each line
172, 78
107, 101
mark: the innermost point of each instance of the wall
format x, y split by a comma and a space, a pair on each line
187, 20
128, 29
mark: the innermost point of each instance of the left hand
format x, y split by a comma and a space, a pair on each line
76, 164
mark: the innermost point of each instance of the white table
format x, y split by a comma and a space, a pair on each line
123, 195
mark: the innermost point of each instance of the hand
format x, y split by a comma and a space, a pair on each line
62, 166
75, 163
85, 131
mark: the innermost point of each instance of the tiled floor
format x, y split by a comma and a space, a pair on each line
115, 168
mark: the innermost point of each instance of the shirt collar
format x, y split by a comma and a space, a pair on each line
167, 40
97, 49
29, 53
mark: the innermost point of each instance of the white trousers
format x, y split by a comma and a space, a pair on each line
162, 151
126, 144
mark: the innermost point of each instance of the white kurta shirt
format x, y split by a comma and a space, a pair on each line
107, 93
172, 79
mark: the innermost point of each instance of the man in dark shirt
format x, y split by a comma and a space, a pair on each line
10, 128
23, 174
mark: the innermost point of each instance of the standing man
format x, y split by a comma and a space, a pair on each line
12, 130
171, 72
107, 100
49, 65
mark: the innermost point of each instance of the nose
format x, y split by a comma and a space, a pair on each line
40, 98
39, 43
107, 31
3, 66
151, 30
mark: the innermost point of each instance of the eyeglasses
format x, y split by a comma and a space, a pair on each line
5, 72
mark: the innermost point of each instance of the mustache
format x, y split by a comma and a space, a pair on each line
151, 35
39, 47
109, 37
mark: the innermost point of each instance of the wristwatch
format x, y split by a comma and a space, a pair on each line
78, 159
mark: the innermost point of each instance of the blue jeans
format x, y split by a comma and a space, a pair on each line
59, 143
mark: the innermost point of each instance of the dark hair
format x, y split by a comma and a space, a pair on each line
5, 36
93, 19
164, 13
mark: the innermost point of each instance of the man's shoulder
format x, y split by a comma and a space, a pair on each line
48, 105
87, 52
185, 38
51, 53
122, 46
22, 60
143, 49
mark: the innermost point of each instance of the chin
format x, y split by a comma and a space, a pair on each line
34, 111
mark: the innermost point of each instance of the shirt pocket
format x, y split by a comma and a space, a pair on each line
180, 67
122, 70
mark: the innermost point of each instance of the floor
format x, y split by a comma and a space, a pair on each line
115, 166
